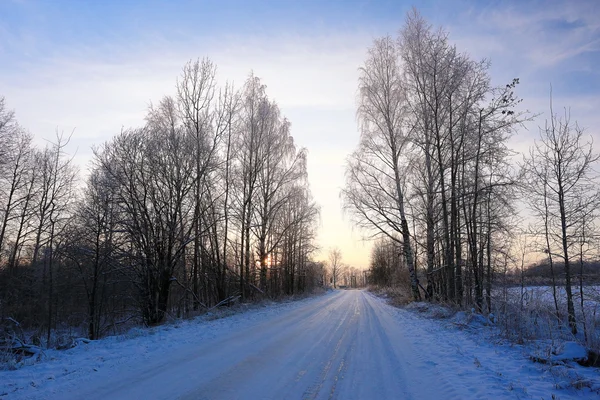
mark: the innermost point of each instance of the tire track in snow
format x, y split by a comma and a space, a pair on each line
342, 339
286, 336
346, 345
428, 382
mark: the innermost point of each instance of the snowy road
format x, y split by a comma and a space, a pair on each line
344, 345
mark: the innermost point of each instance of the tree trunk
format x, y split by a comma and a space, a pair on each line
568, 289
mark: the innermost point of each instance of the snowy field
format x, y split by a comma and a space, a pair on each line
544, 294
344, 345
530, 313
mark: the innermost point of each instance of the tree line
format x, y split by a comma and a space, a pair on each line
341, 275
434, 178
206, 202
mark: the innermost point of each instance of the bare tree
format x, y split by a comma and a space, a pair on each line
254, 119
17, 184
8, 128
195, 96
386, 265
335, 264
14, 195
152, 170
282, 167
296, 234
56, 179
568, 188
92, 245
374, 192
230, 101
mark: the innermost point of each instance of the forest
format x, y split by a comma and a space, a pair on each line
451, 205
205, 204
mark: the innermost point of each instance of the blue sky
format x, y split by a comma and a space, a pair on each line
94, 66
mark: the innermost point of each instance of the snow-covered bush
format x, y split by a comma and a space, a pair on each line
530, 313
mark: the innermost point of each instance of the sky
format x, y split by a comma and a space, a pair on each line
92, 67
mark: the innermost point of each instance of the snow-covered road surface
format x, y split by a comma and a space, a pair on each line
343, 345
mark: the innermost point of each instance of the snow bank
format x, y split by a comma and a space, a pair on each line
557, 356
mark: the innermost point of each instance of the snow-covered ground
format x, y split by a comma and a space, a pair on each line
535, 294
345, 344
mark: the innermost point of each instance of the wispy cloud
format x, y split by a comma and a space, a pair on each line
98, 69
545, 33
543, 43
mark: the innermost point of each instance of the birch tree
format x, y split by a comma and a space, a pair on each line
565, 160
195, 96
374, 193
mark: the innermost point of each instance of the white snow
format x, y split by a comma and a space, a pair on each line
345, 344
536, 295
570, 351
